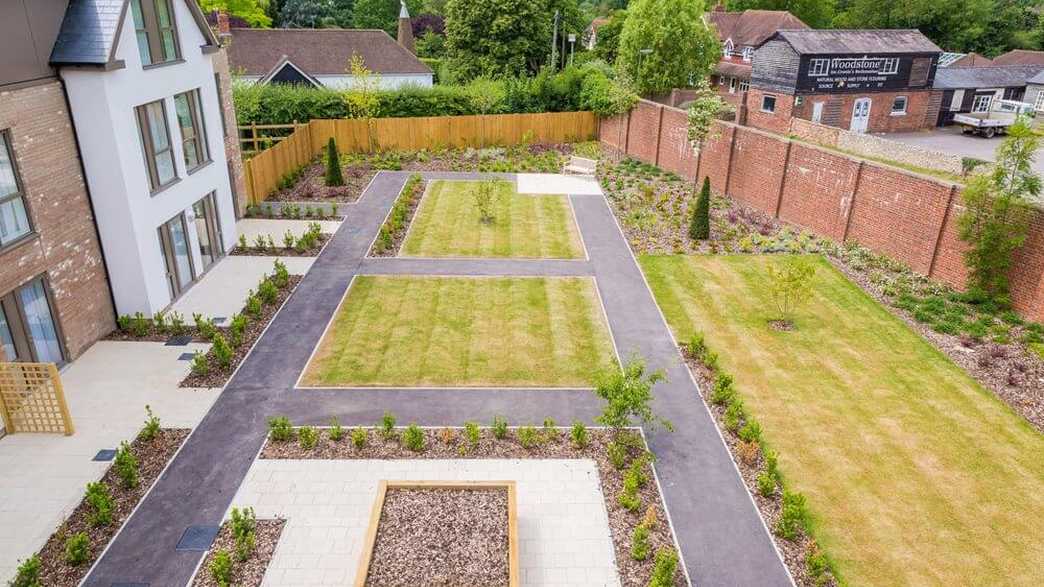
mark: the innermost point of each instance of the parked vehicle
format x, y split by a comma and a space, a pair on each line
996, 120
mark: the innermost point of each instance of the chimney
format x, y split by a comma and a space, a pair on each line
405, 27
224, 30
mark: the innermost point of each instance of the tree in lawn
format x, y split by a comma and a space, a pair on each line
666, 44
699, 225
334, 177
628, 396
382, 14
997, 212
790, 286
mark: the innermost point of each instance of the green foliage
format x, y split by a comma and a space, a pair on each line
500, 427
359, 437
706, 107
77, 549
617, 453
664, 569
430, 47
307, 437
334, 177
221, 568
413, 438
605, 94
151, 427
388, 425
751, 431
244, 525
336, 432
699, 225
578, 433
997, 211
817, 14
528, 437
222, 352
398, 220
766, 484
362, 100
267, 292
28, 573
791, 285
607, 42
126, 465
100, 502
280, 429
628, 395
793, 518
723, 391
307, 14
281, 275
236, 327
382, 14
683, 47
640, 543
472, 434
484, 192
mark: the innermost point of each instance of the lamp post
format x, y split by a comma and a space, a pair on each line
572, 46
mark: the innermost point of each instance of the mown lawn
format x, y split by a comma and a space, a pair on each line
461, 331
448, 224
915, 474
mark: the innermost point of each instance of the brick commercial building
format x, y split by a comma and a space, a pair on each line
862, 80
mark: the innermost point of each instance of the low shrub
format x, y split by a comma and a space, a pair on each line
200, 364
751, 431
723, 391
640, 543
100, 502
664, 569
244, 525
77, 549
28, 573
151, 427
413, 438
766, 484
388, 425
816, 563
359, 437
222, 351
527, 437
307, 437
267, 292
221, 568
617, 454
629, 500
500, 427
472, 434
579, 434
734, 415
280, 429
793, 516
336, 432
126, 465
236, 328
550, 430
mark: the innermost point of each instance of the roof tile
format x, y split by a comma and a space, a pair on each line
319, 51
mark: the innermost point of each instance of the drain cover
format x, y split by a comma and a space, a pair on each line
186, 356
197, 538
182, 340
105, 454
219, 319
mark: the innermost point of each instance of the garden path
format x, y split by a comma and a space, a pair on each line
721, 535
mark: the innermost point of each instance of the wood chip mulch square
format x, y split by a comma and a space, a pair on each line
250, 572
448, 443
280, 251
153, 456
441, 537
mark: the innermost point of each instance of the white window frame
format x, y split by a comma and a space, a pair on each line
748, 54
906, 103
728, 48
986, 99
890, 66
732, 85
1038, 104
818, 67
764, 98
744, 86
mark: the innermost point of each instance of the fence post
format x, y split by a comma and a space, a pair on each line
248, 176
253, 135
59, 395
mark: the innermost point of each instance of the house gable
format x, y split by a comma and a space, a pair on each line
285, 72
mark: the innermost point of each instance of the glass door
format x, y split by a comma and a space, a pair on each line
207, 232
176, 256
28, 330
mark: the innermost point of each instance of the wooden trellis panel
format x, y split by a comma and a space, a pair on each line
32, 400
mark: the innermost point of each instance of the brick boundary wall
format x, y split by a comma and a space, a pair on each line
907, 216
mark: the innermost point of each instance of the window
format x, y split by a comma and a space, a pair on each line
154, 28
193, 134
768, 103
744, 86
155, 137
14, 221
899, 106
208, 233
890, 65
818, 67
177, 259
982, 103
727, 50
1038, 104
732, 85
28, 330
748, 53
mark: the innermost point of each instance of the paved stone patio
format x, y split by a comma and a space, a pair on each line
223, 290
107, 389
721, 535
563, 528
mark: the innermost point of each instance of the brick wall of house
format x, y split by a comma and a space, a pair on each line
776, 121
907, 216
64, 247
922, 109
232, 145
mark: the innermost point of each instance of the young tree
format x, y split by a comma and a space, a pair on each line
628, 395
666, 44
997, 211
334, 177
791, 283
382, 14
363, 99
705, 108
252, 11
699, 226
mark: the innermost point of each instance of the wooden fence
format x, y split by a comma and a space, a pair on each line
254, 137
264, 170
32, 400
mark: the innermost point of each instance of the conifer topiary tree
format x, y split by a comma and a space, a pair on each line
333, 165
699, 226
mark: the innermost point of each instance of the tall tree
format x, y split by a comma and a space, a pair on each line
817, 14
607, 39
307, 14
343, 13
666, 44
382, 14
252, 11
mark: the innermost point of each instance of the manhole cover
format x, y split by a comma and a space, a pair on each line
186, 356
105, 454
182, 340
197, 538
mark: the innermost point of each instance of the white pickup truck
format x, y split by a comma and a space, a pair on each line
996, 120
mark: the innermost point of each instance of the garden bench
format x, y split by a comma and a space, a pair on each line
581, 166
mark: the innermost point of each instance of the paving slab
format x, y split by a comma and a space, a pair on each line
223, 290
553, 183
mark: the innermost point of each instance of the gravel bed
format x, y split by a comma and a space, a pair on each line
217, 376
248, 573
441, 537
153, 456
448, 443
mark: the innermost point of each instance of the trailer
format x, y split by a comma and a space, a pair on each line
995, 120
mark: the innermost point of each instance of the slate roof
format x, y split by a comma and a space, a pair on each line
752, 27
319, 51
1005, 76
90, 27
1020, 57
1037, 79
857, 41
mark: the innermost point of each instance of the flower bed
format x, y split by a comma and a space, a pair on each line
68, 554
307, 245
640, 532
393, 231
245, 568
990, 342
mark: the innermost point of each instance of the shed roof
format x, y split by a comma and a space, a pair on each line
752, 27
857, 41
319, 51
1004, 76
89, 30
1020, 57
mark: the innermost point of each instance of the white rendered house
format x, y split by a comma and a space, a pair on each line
145, 105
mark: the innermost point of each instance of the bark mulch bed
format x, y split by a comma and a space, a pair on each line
751, 461
449, 443
248, 573
393, 232
280, 251
310, 186
216, 375
441, 537
153, 455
